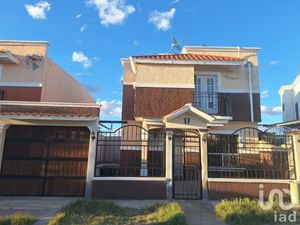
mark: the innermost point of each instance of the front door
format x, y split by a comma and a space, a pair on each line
206, 93
186, 165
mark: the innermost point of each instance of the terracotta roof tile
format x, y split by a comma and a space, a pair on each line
188, 57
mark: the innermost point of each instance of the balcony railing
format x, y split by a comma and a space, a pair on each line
213, 103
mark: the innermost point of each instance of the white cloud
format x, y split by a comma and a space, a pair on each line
135, 43
271, 111
162, 20
110, 108
274, 62
264, 94
83, 28
112, 11
81, 58
175, 1
78, 16
38, 11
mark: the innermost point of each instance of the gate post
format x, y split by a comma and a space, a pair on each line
169, 164
296, 149
91, 160
204, 164
3, 129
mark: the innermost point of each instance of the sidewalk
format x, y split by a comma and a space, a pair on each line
200, 212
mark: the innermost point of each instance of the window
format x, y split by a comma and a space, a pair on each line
205, 93
297, 111
1, 69
283, 107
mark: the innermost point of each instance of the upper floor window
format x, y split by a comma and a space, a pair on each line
206, 93
1, 70
283, 107
297, 111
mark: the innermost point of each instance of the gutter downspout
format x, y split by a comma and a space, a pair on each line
249, 66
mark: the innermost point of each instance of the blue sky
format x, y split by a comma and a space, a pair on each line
88, 37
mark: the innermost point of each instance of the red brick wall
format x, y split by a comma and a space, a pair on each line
158, 102
128, 102
22, 93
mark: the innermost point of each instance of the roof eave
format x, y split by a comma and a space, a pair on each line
190, 62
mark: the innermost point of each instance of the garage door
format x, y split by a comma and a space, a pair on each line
44, 161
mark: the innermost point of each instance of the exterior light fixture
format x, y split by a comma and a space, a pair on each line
298, 139
169, 136
93, 135
204, 137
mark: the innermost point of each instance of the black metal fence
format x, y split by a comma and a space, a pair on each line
130, 151
213, 103
251, 153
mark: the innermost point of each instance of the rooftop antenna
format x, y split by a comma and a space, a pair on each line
175, 45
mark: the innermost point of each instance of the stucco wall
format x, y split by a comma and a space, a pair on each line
231, 77
27, 70
164, 74
59, 86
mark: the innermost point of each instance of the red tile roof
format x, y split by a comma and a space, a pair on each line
44, 114
188, 57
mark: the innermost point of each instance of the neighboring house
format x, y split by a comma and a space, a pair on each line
290, 100
47, 122
221, 82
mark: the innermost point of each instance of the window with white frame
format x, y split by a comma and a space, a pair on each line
206, 93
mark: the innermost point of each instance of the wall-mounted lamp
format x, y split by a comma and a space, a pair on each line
169, 136
204, 137
93, 135
298, 140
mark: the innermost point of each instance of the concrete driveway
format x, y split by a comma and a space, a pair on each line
42, 207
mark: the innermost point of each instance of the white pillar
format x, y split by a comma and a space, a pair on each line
144, 153
296, 149
3, 129
169, 164
91, 160
204, 164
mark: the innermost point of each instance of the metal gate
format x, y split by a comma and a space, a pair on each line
44, 161
186, 165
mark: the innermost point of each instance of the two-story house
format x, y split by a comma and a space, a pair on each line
214, 88
47, 122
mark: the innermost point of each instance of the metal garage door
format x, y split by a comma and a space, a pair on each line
44, 161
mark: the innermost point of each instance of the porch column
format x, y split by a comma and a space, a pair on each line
91, 160
169, 164
3, 128
204, 164
144, 153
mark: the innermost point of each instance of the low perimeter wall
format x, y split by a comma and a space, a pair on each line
229, 190
117, 189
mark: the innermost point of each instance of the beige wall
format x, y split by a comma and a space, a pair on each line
27, 70
168, 74
195, 122
59, 86
231, 77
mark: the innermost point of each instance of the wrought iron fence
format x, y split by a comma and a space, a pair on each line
251, 153
213, 103
130, 151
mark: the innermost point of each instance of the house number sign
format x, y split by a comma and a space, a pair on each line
186, 120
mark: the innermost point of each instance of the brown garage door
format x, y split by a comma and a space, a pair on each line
48, 161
